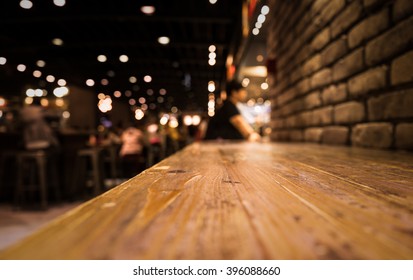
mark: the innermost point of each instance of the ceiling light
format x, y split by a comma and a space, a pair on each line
139, 114
212, 55
264, 86
188, 120
163, 40
212, 48
117, 94
3, 60
260, 58
102, 58
28, 100
21, 67
149, 92
245, 82
255, 31
213, 1
44, 102
26, 4
212, 62
41, 63
66, 114
123, 58
128, 93
59, 3
57, 42
104, 82
132, 102
162, 91
196, 120
258, 24
37, 74
30, 92
60, 91
147, 78
261, 18
59, 102
265, 10
142, 100
90, 82
61, 82
50, 78
133, 79
211, 86
148, 10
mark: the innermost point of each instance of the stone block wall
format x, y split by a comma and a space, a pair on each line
344, 72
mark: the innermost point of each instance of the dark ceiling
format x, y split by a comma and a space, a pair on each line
118, 27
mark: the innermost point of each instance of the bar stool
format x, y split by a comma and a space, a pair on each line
7, 163
94, 157
32, 164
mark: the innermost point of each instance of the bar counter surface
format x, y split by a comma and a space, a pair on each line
244, 200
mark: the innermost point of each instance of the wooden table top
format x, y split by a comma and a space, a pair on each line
244, 201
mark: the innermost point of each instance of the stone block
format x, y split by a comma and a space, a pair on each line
394, 105
334, 94
346, 19
306, 118
335, 135
365, 82
313, 134
374, 135
322, 116
303, 86
402, 9
391, 43
296, 135
350, 112
321, 78
369, 28
321, 40
312, 100
331, 9
402, 69
334, 51
349, 65
404, 136
318, 5
277, 124
286, 97
370, 4
296, 75
291, 122
312, 65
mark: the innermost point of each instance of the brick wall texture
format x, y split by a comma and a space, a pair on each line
344, 72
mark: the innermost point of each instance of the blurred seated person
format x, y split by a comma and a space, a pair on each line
111, 138
37, 133
228, 122
131, 151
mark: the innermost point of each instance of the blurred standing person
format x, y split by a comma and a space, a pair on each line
131, 151
228, 122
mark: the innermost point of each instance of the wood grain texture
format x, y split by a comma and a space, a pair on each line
244, 201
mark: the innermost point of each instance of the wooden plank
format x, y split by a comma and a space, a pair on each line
244, 201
